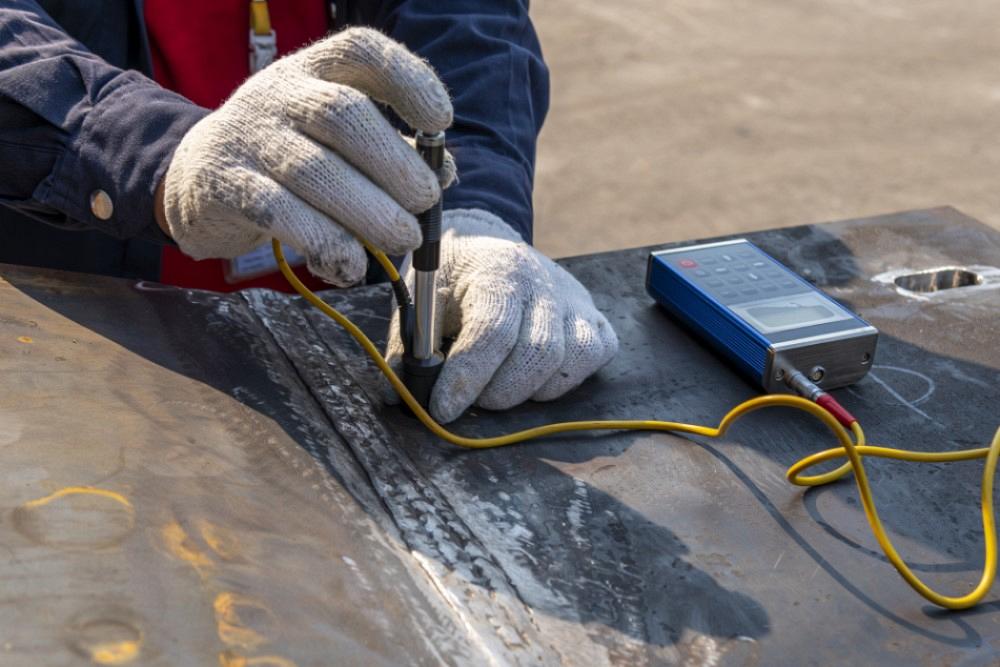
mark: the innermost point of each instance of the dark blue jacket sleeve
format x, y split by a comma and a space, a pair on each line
71, 124
487, 53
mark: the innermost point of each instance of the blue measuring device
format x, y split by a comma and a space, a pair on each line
760, 315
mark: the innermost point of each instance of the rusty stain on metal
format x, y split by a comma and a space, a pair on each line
232, 659
180, 545
219, 539
106, 636
76, 517
241, 620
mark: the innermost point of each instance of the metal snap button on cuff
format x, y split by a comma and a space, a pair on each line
101, 205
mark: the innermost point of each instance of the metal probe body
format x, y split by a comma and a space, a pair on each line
423, 359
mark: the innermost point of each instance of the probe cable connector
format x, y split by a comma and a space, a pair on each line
405, 305
803, 386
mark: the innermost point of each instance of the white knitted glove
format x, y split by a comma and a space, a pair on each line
523, 327
301, 153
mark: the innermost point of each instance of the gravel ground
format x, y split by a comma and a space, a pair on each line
689, 118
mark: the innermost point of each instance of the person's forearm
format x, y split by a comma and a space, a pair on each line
488, 55
101, 129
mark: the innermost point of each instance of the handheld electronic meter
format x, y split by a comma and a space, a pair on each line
765, 319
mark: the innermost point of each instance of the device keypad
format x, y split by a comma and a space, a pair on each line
735, 273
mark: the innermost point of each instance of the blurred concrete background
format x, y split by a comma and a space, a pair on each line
677, 119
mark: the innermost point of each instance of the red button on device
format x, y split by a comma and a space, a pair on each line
688, 263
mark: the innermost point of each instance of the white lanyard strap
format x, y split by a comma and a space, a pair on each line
263, 46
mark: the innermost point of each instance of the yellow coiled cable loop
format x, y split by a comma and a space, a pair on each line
851, 449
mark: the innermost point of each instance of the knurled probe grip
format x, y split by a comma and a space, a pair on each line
428, 256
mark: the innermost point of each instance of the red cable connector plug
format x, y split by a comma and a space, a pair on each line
802, 386
830, 404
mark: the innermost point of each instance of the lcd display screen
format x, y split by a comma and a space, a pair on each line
789, 314
781, 314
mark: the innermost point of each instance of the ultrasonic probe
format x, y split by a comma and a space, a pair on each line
422, 357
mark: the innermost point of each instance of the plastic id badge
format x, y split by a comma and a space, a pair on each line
259, 262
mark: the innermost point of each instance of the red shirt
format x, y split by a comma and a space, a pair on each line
200, 49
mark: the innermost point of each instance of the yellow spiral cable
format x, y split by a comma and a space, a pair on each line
853, 450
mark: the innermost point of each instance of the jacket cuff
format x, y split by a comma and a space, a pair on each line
477, 222
122, 150
492, 182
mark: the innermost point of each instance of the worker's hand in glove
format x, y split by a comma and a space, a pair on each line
522, 326
301, 153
